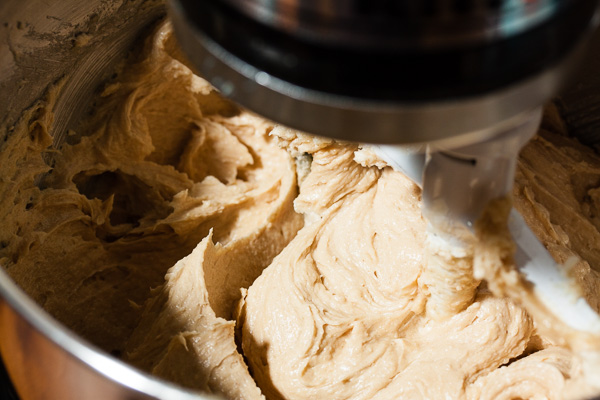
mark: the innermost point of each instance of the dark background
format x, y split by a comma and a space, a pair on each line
7, 392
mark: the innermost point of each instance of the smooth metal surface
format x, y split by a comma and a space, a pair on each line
552, 285
450, 123
440, 22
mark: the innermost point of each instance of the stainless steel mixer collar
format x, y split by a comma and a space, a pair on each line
383, 71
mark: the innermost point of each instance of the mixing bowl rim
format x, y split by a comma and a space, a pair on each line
85, 352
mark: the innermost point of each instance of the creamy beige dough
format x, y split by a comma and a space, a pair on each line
160, 162
341, 313
170, 231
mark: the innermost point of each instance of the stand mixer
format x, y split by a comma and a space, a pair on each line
448, 91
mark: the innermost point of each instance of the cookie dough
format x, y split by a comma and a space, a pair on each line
341, 312
200, 243
90, 229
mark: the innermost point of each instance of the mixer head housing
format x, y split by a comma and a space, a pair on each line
386, 71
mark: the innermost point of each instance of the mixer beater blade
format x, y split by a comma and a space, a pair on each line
458, 185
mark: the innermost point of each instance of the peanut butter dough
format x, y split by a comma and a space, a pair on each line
160, 162
200, 243
341, 312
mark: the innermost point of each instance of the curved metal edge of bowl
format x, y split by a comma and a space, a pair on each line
93, 358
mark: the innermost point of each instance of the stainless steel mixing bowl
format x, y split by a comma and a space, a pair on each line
42, 41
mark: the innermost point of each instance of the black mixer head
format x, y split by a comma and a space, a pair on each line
394, 71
